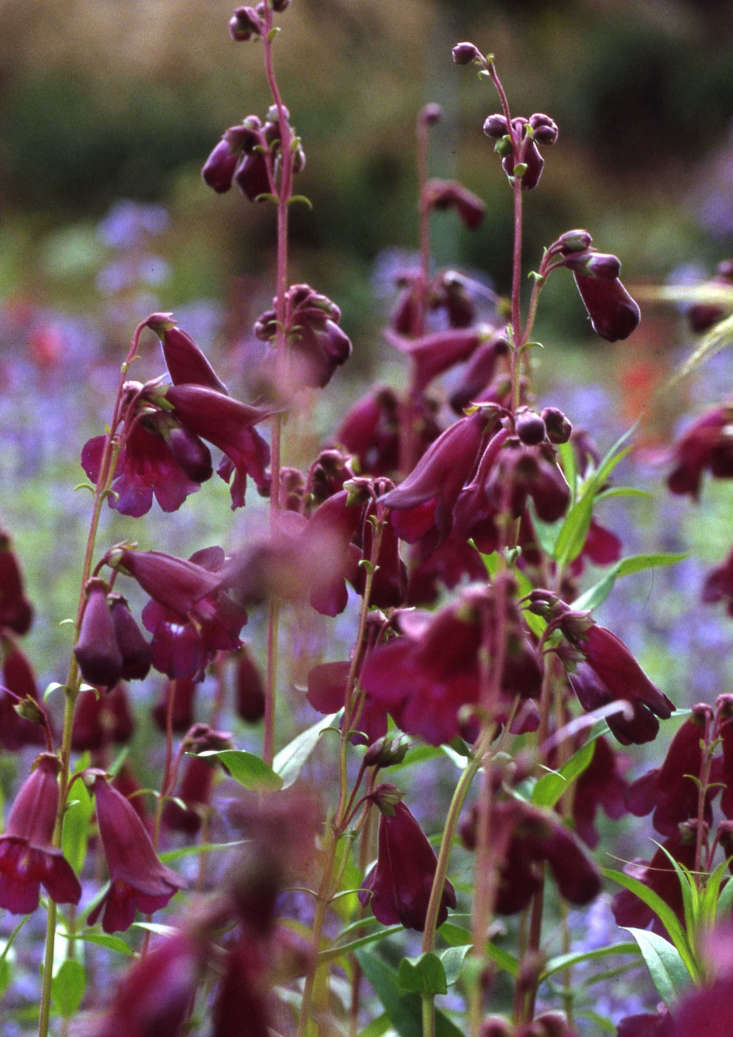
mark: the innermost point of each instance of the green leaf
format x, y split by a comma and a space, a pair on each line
663, 911
567, 961
665, 965
77, 816
338, 950
187, 851
569, 464
106, 940
710, 896
550, 787
452, 959
725, 900
572, 535
422, 975
377, 1027
404, 1009
598, 593
246, 768
624, 491
6, 975
719, 336
67, 988
289, 761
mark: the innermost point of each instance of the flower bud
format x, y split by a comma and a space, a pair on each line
544, 128
386, 751
557, 425
431, 114
495, 126
280, 5
601, 265
465, 53
386, 797
530, 428
577, 240
244, 24
96, 650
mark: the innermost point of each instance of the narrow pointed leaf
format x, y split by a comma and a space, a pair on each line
666, 968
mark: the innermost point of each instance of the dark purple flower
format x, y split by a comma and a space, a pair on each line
183, 691
317, 344
647, 1024
249, 691
96, 649
601, 784
138, 880
242, 994
707, 444
134, 649
185, 362
616, 675
434, 353
524, 837
449, 194
157, 993
194, 789
228, 424
672, 790
437, 479
659, 875
158, 458
18, 677
100, 719
718, 585
613, 313
401, 880
703, 315
327, 694
191, 617
16, 612
28, 860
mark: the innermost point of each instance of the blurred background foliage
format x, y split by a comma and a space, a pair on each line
104, 99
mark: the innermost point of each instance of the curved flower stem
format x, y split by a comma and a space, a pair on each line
441, 871
284, 194
73, 679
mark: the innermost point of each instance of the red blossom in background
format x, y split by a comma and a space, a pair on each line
16, 612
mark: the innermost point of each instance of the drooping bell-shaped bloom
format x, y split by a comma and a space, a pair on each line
28, 860
228, 424
157, 993
100, 720
612, 311
436, 352
600, 785
317, 343
138, 880
327, 693
16, 612
450, 194
96, 649
398, 887
524, 837
191, 617
249, 690
707, 445
186, 363
183, 692
134, 649
672, 790
616, 675
718, 585
195, 788
18, 677
159, 459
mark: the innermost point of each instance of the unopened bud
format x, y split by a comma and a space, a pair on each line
544, 128
559, 429
386, 751
280, 5
464, 53
244, 24
30, 710
577, 240
386, 797
495, 126
431, 114
530, 428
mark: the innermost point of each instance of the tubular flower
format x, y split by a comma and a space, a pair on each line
449, 194
398, 887
137, 878
16, 612
27, 858
185, 362
317, 344
97, 652
100, 720
18, 677
706, 445
227, 424
524, 837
